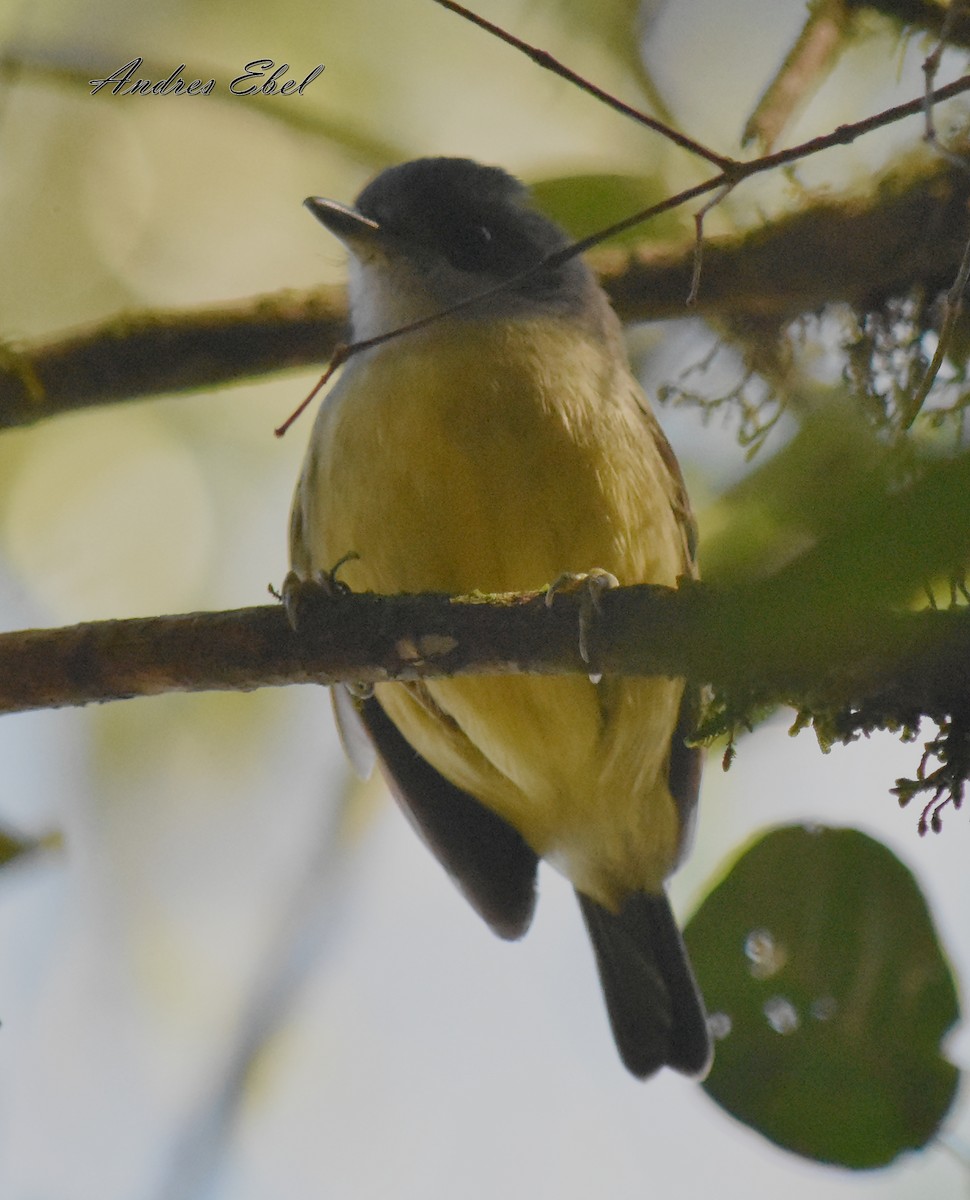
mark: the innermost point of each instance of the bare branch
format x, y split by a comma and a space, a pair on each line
545, 60
806, 65
695, 277
931, 64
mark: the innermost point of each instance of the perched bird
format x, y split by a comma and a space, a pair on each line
497, 449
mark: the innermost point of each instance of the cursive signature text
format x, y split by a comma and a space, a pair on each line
262, 77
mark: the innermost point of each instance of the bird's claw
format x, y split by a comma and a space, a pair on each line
300, 595
590, 585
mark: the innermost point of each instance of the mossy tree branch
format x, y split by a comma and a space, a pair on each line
905, 663
925, 15
910, 230
829, 629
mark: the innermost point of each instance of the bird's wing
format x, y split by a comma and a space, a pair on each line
491, 862
684, 768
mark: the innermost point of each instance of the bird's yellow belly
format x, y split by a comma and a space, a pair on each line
502, 481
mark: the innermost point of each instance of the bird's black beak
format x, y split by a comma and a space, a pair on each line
351, 227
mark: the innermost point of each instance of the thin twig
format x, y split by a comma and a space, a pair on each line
931, 64
830, 250
727, 178
813, 56
954, 307
150, 353
337, 359
844, 135
543, 59
695, 279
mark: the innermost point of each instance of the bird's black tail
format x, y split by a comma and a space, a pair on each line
655, 1007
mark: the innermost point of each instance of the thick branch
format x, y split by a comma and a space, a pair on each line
824, 630
903, 662
909, 230
153, 353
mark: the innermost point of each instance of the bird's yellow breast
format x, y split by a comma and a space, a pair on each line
497, 456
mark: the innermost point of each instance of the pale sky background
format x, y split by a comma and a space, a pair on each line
244, 977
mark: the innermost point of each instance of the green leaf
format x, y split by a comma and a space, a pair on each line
821, 968
778, 508
583, 204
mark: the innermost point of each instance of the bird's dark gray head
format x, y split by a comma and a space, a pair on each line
427, 234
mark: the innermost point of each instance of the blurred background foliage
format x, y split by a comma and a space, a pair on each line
228, 969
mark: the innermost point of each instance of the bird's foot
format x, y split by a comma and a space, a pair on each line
305, 603
300, 596
590, 586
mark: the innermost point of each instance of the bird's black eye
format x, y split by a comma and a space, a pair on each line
472, 248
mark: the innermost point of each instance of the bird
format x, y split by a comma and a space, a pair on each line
502, 445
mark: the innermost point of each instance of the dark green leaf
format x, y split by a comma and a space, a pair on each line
583, 204
817, 951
